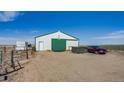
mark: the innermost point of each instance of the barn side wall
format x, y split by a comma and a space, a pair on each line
70, 44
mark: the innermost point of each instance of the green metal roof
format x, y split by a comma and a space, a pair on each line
55, 32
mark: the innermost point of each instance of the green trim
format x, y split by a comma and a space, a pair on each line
55, 32
66, 39
45, 34
71, 36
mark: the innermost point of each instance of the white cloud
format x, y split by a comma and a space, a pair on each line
117, 32
113, 35
13, 35
8, 16
12, 40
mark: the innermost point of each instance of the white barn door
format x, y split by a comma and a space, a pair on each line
41, 46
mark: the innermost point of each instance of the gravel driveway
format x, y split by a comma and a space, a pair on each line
69, 67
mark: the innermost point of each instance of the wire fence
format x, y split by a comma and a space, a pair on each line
10, 59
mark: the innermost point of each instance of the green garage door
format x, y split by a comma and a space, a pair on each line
58, 45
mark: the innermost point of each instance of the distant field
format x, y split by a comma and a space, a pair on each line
114, 47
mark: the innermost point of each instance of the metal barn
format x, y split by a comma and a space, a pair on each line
56, 41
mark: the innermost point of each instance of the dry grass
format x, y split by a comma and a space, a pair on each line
68, 67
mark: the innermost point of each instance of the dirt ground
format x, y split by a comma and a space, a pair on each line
69, 67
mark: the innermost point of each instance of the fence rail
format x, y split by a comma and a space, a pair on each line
11, 59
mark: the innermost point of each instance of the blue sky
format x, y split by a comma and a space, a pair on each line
89, 27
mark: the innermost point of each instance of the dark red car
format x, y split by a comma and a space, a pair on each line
96, 50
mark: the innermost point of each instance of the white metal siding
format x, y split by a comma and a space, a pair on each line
47, 39
70, 44
41, 46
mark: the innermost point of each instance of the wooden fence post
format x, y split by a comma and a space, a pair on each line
27, 53
12, 59
4, 49
1, 57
